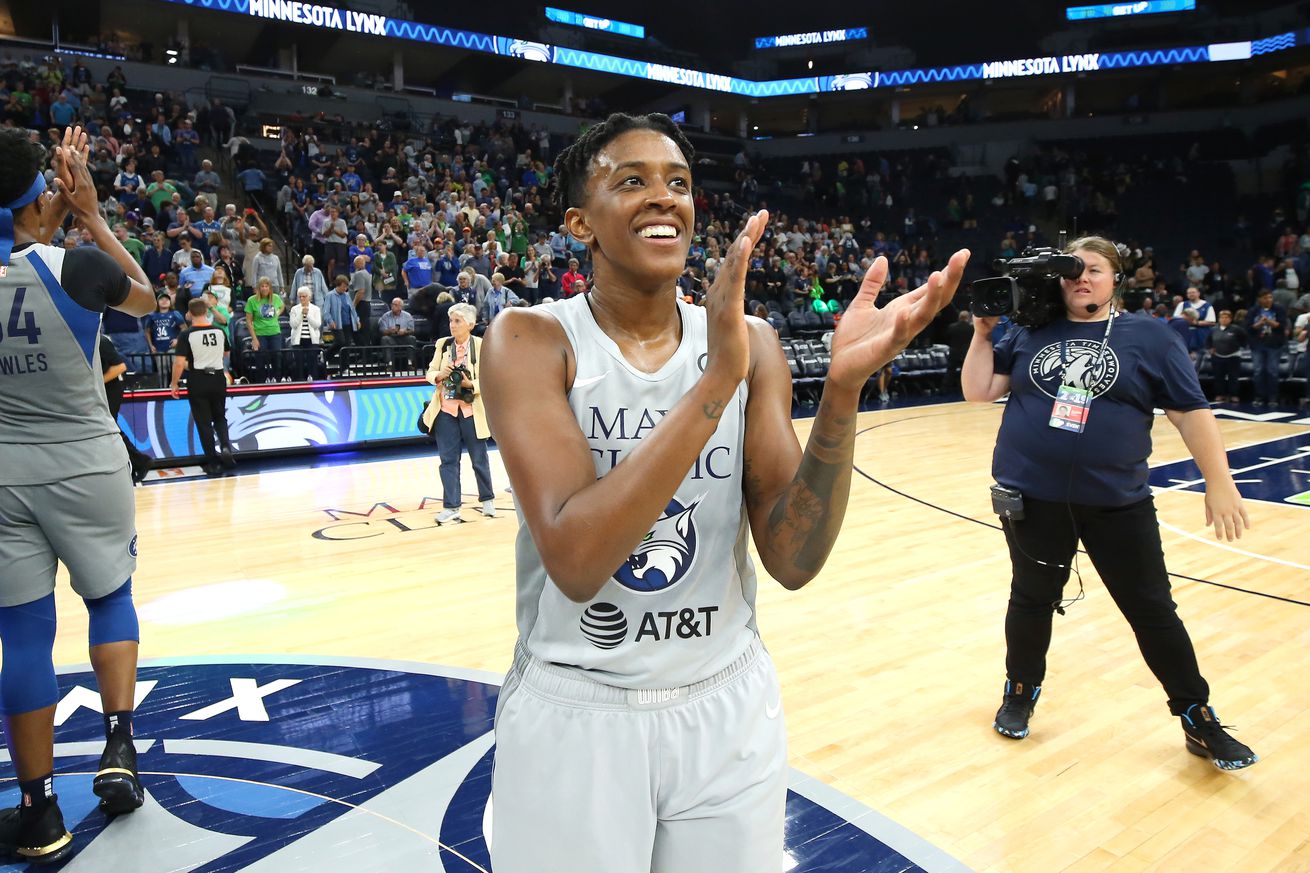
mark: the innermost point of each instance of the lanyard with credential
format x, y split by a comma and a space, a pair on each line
1073, 404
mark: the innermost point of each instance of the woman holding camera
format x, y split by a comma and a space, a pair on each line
1090, 368
456, 416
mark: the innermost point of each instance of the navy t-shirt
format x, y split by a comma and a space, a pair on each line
1144, 366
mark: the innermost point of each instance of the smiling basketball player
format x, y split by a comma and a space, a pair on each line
640, 727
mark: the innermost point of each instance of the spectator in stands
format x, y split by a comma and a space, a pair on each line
219, 313
569, 281
361, 292
441, 315
253, 182
163, 327
385, 271
1267, 326
207, 181
335, 250
160, 191
185, 142
268, 266
267, 342
157, 260
340, 319
236, 278
127, 185
474, 257
417, 270
312, 277
1205, 316
361, 247
497, 299
134, 246
396, 328
447, 266
306, 338
537, 273
456, 415
1225, 345
195, 277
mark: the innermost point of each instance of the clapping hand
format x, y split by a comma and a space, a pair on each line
868, 337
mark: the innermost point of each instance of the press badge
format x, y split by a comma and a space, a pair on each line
1072, 406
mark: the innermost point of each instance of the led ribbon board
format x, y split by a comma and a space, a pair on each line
1119, 10
594, 22
817, 37
314, 15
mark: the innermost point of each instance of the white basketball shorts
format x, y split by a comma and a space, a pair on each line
590, 778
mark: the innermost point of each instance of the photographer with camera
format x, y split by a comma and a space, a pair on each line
456, 416
1075, 364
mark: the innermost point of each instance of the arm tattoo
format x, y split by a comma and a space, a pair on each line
713, 410
804, 522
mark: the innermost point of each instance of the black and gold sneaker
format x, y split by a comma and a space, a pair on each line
35, 834
116, 782
1207, 738
1016, 708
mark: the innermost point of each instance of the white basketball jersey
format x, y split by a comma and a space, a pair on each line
682, 607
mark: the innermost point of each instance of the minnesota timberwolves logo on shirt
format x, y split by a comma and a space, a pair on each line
663, 558
1084, 365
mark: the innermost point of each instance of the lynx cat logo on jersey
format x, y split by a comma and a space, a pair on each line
663, 558
1088, 368
338, 766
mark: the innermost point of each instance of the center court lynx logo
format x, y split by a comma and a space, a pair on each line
662, 559
1083, 366
342, 766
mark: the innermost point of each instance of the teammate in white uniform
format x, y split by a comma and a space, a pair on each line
640, 726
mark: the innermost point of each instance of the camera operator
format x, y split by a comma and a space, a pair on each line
456, 415
1088, 368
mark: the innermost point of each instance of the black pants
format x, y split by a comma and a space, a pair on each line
207, 393
1226, 373
1124, 545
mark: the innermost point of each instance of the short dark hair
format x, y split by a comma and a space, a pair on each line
197, 307
573, 165
22, 160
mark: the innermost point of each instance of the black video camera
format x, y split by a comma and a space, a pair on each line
1028, 289
455, 383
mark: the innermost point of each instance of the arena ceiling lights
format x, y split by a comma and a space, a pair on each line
328, 17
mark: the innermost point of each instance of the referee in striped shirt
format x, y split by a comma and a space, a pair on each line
201, 349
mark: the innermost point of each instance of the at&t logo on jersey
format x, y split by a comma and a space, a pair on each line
662, 559
1083, 365
606, 627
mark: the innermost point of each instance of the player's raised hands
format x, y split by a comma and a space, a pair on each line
868, 337
73, 177
725, 305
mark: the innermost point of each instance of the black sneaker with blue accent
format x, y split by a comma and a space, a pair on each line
1207, 738
1016, 708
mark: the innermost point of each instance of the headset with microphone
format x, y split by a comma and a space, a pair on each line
1119, 280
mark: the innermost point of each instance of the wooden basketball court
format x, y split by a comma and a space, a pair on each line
891, 661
